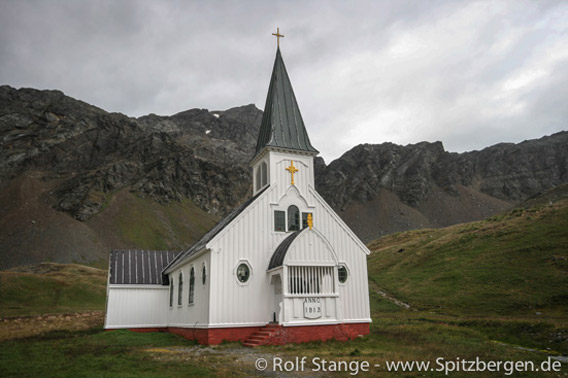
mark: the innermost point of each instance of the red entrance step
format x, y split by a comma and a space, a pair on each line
262, 337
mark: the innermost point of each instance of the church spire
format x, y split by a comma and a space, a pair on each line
282, 125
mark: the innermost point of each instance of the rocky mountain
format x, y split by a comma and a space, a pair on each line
76, 181
64, 157
195, 154
386, 188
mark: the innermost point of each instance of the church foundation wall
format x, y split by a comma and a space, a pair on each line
213, 336
145, 330
283, 335
304, 334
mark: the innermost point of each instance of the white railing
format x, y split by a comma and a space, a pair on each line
311, 281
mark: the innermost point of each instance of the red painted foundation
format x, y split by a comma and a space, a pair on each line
304, 334
282, 335
212, 336
144, 330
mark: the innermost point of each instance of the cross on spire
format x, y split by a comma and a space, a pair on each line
278, 36
292, 170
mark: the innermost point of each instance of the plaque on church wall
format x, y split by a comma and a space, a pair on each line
312, 308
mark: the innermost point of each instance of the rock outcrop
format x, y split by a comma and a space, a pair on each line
507, 171
445, 188
194, 154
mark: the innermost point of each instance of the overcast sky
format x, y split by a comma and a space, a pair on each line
469, 74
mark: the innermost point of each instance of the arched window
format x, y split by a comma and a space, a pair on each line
264, 174
204, 274
191, 285
258, 178
293, 218
171, 292
180, 288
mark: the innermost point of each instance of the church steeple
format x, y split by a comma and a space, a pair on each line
282, 125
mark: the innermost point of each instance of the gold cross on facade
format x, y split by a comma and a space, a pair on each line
310, 221
278, 36
292, 170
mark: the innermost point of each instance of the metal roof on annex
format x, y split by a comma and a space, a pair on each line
282, 124
138, 267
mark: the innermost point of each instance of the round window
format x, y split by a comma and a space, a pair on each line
243, 273
342, 273
203, 274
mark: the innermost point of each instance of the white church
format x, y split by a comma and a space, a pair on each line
282, 267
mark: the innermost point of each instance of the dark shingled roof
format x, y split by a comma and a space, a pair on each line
282, 124
215, 230
135, 267
278, 256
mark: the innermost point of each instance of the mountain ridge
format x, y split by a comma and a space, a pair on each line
86, 164
425, 177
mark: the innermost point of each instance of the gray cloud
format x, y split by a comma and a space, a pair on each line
469, 74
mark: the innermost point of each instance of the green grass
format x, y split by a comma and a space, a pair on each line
95, 353
513, 263
61, 288
147, 224
396, 335
421, 336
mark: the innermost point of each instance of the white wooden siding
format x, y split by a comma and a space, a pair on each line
303, 179
310, 248
136, 306
354, 293
197, 314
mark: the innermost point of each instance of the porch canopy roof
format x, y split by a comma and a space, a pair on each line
303, 247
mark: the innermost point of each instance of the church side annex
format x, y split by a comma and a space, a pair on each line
282, 267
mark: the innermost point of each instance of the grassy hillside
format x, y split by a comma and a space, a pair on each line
32, 232
130, 221
51, 288
515, 263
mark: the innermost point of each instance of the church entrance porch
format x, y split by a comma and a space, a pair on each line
311, 295
308, 296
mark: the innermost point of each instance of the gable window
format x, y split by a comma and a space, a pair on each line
257, 178
342, 273
191, 285
279, 221
305, 220
171, 293
203, 275
264, 173
180, 288
293, 218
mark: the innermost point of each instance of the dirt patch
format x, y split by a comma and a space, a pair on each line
26, 326
228, 360
390, 298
